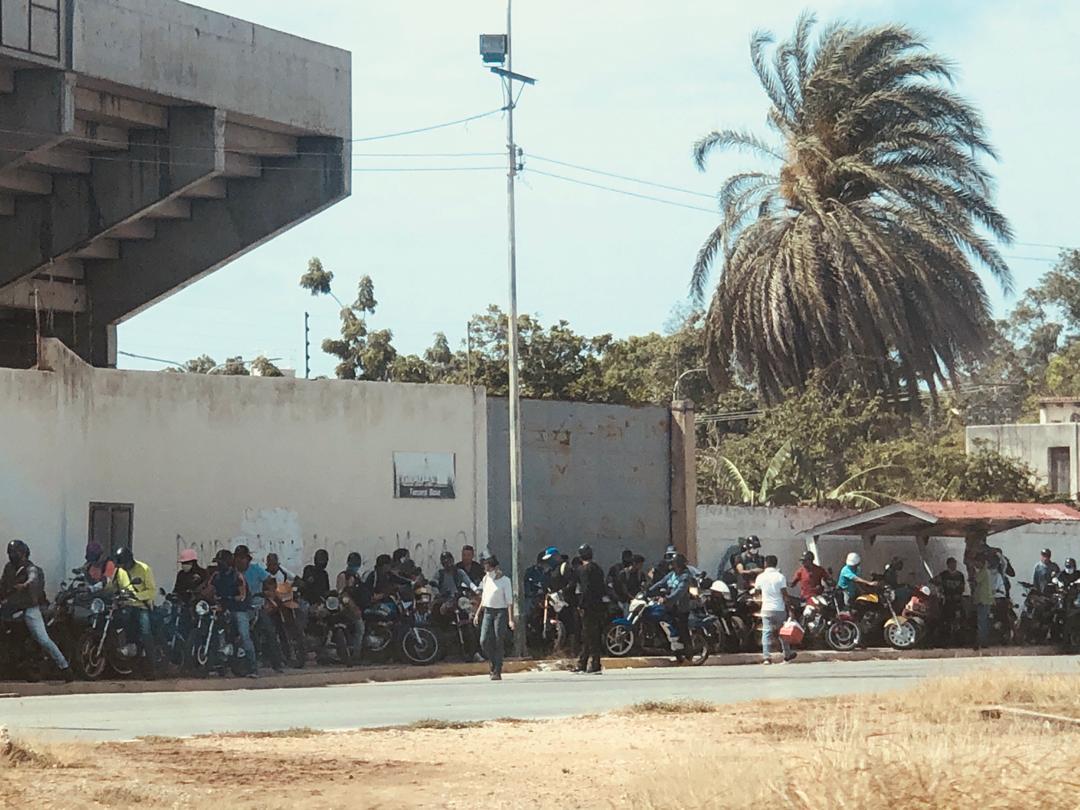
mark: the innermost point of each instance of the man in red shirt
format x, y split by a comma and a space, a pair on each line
809, 577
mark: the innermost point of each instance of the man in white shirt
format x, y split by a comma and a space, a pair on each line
497, 608
772, 585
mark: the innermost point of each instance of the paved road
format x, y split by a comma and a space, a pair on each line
528, 696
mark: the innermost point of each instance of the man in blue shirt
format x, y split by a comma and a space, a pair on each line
254, 574
1045, 571
676, 589
849, 579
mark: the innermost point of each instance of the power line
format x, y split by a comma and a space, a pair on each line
621, 191
622, 177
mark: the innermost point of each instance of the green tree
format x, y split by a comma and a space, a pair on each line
853, 256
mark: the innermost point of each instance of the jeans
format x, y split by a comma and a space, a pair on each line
592, 638
243, 629
140, 621
35, 623
771, 622
493, 632
982, 626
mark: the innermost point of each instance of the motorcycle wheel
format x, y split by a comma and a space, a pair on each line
843, 636
196, 663
121, 665
902, 635
341, 646
90, 665
420, 646
619, 641
699, 647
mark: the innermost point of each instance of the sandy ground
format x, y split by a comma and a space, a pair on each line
928, 748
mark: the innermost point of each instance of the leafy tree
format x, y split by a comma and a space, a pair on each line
262, 366
854, 255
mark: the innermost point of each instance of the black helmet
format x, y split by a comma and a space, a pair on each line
17, 548
383, 559
446, 557
585, 551
354, 559
753, 541
808, 556
123, 557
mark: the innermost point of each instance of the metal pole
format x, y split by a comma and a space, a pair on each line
307, 348
516, 515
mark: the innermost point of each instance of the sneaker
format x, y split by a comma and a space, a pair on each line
253, 674
67, 675
766, 661
790, 657
594, 672
495, 676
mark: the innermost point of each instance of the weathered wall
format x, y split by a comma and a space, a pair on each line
1030, 444
778, 528
185, 52
34, 30
282, 465
591, 473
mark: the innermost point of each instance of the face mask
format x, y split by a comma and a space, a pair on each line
187, 566
353, 569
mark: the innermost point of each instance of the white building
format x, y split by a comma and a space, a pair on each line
1051, 447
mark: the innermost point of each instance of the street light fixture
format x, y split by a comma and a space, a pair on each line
494, 48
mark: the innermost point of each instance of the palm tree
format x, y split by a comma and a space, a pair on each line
857, 252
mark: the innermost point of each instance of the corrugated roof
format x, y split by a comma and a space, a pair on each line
1058, 400
944, 519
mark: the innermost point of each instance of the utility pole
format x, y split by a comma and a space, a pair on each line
490, 50
307, 348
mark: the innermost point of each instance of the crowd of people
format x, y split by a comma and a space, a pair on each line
247, 588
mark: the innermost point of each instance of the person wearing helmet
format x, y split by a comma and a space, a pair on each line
135, 580
849, 580
383, 582
229, 589
674, 592
658, 573
22, 587
1069, 575
810, 578
315, 581
592, 591
99, 569
1045, 570
750, 563
191, 577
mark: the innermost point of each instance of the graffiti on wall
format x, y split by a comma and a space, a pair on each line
278, 531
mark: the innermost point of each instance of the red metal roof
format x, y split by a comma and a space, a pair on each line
976, 510
944, 519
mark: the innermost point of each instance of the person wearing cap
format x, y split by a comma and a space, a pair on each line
725, 571
1045, 570
254, 575
658, 573
591, 593
191, 577
810, 578
674, 592
750, 564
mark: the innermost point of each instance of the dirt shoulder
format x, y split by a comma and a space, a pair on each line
332, 676
927, 748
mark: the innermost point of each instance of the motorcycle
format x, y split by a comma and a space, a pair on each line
22, 655
330, 628
912, 626
824, 618
169, 621
1042, 616
105, 645
212, 645
733, 623
293, 648
648, 628
1070, 634
462, 608
395, 625
545, 631
69, 614
871, 612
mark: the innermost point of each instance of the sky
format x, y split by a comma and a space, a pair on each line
625, 87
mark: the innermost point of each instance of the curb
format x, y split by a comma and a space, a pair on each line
329, 676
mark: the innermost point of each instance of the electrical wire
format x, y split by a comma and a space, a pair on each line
532, 156
620, 191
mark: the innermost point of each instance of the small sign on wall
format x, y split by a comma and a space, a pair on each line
424, 475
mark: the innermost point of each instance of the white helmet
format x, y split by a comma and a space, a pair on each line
853, 558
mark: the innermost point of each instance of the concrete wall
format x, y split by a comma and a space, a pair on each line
778, 528
185, 52
1031, 444
280, 464
591, 473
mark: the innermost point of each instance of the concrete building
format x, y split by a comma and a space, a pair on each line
1051, 447
144, 144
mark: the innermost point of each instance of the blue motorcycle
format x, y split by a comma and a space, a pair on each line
648, 629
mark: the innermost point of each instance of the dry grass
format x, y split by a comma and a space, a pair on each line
431, 724
299, 732
917, 750
20, 754
670, 707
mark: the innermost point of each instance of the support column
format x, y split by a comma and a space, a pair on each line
683, 458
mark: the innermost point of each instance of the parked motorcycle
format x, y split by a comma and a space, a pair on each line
459, 623
913, 625
330, 628
545, 631
872, 610
213, 645
395, 625
736, 626
826, 619
69, 614
106, 644
647, 628
1042, 616
20, 655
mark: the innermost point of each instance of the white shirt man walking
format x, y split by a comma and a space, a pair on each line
772, 585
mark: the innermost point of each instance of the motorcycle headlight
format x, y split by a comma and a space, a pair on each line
332, 603
464, 603
97, 606
202, 608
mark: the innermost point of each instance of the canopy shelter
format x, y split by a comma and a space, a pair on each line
942, 519
921, 520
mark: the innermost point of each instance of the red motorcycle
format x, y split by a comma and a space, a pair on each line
913, 625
